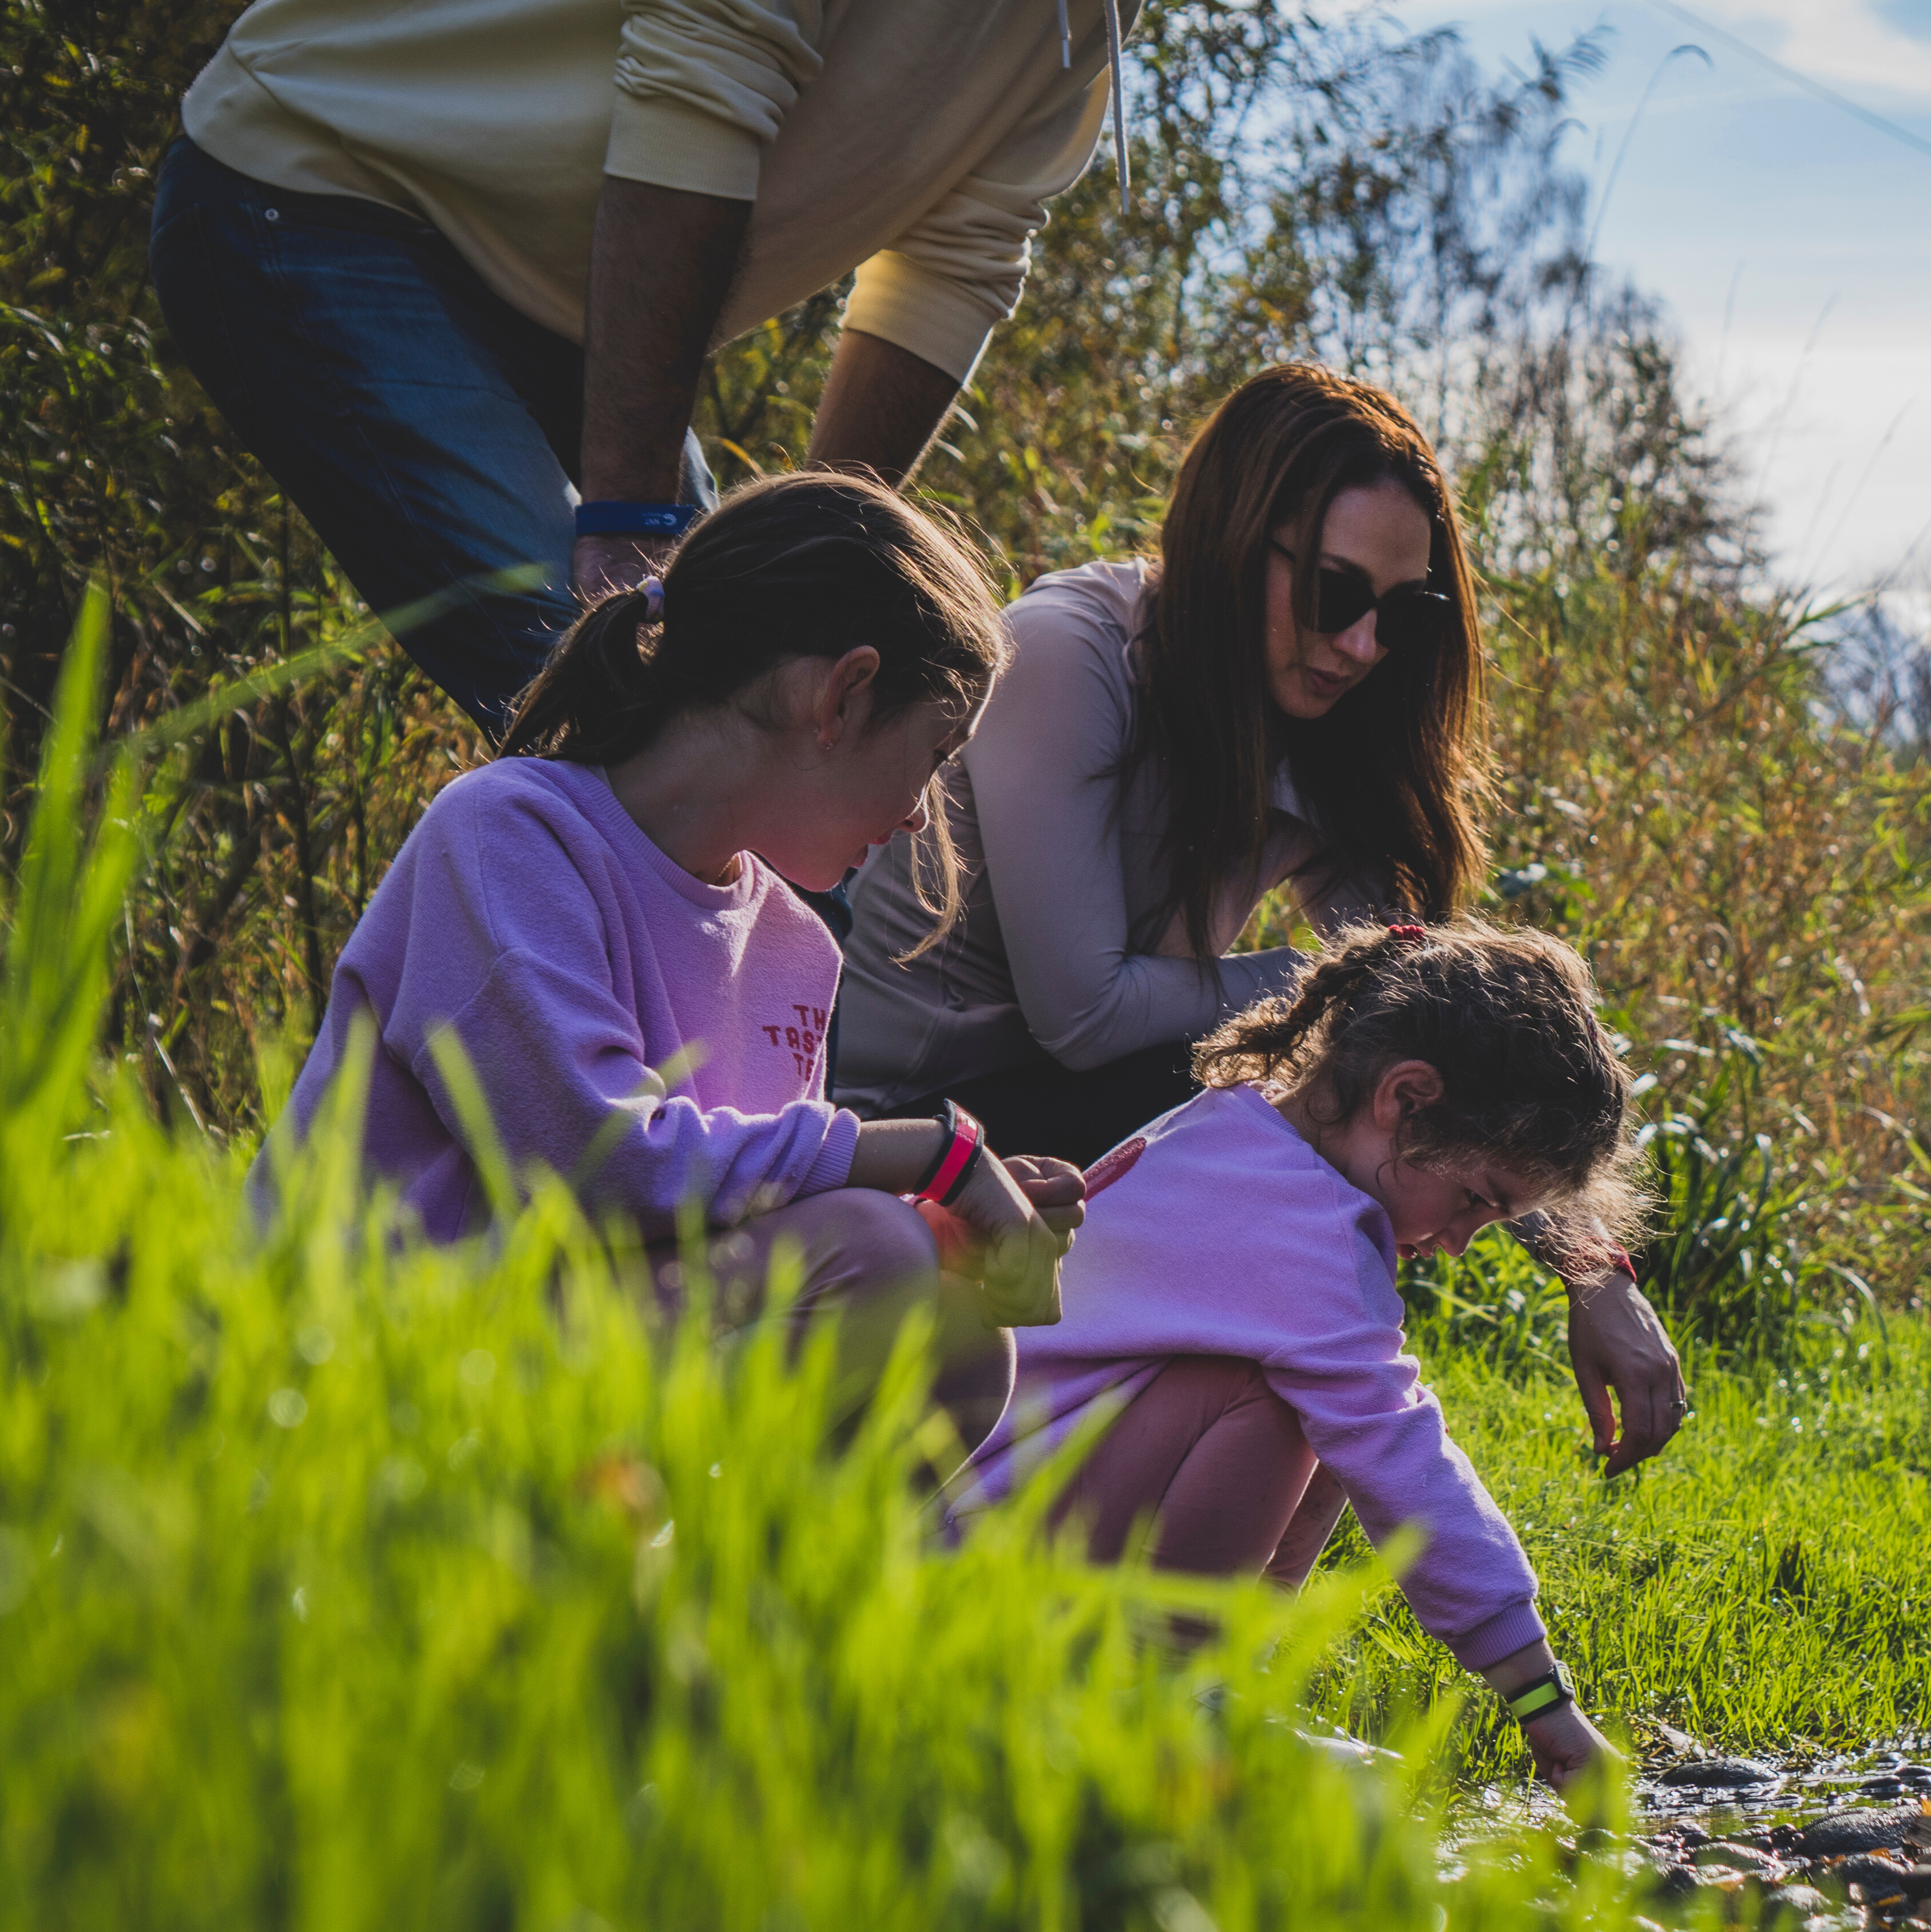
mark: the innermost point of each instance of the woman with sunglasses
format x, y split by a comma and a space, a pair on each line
1290, 696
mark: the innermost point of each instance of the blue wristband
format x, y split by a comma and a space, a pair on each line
612, 519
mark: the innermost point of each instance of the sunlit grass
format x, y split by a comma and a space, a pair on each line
1760, 1585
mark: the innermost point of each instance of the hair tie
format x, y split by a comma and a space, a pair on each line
1408, 935
652, 588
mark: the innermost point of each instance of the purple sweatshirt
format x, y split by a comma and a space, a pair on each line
1219, 1231
529, 912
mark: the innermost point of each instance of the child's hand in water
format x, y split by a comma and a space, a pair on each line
1565, 1744
994, 1233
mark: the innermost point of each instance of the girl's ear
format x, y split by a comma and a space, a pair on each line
1405, 1089
845, 696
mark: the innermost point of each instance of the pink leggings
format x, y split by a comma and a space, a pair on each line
1217, 1462
867, 1257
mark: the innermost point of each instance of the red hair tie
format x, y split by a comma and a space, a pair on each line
1409, 935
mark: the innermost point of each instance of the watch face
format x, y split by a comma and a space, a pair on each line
1567, 1682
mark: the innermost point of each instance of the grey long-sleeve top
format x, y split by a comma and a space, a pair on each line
1060, 945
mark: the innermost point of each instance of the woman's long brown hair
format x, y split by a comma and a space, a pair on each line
1391, 774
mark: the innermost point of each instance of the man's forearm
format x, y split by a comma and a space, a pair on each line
661, 265
881, 408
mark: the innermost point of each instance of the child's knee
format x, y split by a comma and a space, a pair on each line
888, 1247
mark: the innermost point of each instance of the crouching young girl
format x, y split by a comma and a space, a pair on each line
1235, 1280
610, 897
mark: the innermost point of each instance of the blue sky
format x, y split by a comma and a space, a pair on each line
1790, 241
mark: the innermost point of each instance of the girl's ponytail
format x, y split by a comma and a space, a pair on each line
1272, 1036
604, 691
808, 565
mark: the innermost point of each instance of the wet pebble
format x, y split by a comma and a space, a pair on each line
1678, 1881
1742, 1858
1845, 1832
1879, 1879
1718, 1774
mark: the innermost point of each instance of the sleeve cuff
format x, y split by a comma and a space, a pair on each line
670, 144
1501, 1635
833, 1166
941, 322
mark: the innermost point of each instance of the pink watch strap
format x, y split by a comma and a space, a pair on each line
967, 1134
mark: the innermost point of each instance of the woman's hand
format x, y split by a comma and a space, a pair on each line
1616, 1342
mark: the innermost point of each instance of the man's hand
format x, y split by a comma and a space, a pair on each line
601, 566
1615, 1341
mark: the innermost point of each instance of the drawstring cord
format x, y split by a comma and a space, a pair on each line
1111, 8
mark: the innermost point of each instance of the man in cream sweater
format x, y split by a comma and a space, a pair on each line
440, 261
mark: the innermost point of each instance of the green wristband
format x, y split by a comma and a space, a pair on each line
1548, 1693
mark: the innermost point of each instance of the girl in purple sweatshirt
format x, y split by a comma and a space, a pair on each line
600, 921
1234, 1285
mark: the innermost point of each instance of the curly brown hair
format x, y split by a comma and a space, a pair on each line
1530, 1079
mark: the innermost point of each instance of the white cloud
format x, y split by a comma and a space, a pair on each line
1847, 41
1856, 44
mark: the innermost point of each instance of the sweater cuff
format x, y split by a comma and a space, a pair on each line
1502, 1635
670, 144
833, 1166
941, 322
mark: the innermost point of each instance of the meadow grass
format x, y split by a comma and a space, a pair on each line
1761, 1585
348, 1581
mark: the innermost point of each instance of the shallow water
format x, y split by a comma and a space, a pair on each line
1822, 1842
1799, 1790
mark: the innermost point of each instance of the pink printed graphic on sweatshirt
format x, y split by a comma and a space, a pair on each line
801, 1039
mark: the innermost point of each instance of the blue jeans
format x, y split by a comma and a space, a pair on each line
427, 431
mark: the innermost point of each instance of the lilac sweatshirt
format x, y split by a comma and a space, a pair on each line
528, 911
1220, 1231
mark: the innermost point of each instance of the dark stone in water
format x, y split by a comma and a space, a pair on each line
1679, 1881
1877, 1879
1719, 1774
1743, 1857
1845, 1832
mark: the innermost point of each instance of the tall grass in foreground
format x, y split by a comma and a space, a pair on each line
345, 1581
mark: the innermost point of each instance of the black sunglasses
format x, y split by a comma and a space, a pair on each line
1407, 619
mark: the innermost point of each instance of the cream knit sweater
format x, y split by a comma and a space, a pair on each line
916, 141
